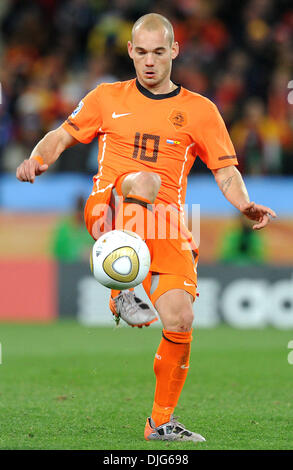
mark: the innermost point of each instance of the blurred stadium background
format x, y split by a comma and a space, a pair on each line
240, 55
67, 385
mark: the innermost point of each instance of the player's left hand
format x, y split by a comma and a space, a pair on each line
257, 212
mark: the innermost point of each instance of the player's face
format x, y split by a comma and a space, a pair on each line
152, 55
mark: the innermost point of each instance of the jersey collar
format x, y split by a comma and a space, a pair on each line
161, 96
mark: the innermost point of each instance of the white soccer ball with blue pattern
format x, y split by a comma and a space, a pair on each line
120, 259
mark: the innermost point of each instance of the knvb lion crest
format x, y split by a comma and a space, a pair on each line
178, 118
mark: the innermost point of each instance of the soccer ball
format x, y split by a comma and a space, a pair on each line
120, 259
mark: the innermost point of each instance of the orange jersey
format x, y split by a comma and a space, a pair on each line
140, 131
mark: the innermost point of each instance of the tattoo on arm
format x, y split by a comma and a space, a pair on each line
225, 184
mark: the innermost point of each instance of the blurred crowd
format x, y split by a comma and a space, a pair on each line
239, 54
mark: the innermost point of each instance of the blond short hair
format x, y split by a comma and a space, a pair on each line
153, 22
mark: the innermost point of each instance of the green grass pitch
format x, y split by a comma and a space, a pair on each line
65, 386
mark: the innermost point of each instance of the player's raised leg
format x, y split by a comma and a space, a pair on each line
138, 190
171, 367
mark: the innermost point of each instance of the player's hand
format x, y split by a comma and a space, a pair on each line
260, 214
29, 169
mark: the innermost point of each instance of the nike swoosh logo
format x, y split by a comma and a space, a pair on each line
115, 116
186, 284
184, 367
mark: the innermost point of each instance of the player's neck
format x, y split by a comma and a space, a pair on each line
160, 89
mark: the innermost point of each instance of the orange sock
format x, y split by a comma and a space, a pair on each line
134, 215
114, 293
170, 366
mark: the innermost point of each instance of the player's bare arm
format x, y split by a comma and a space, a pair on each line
233, 187
49, 149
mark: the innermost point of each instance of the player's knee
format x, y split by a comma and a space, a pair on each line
180, 320
185, 319
175, 310
146, 184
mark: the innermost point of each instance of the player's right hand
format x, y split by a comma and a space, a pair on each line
29, 169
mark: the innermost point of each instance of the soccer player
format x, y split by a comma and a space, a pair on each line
150, 131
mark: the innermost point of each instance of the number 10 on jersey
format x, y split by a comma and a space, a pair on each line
140, 144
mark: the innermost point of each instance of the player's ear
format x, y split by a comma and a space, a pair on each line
130, 49
175, 50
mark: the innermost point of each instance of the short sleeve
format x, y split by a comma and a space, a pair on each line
215, 147
84, 122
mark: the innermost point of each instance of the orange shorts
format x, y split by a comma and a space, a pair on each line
156, 284
173, 260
